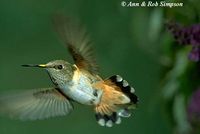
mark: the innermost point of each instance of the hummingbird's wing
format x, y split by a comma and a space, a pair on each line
35, 104
77, 41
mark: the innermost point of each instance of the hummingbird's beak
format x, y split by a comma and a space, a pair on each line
39, 65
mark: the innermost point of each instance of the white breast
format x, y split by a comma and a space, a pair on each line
82, 91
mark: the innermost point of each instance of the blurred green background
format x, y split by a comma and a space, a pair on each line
127, 42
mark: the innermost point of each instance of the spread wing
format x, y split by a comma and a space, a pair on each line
35, 104
77, 41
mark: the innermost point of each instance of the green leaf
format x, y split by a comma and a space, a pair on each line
180, 116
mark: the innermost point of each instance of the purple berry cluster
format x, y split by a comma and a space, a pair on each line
187, 35
193, 109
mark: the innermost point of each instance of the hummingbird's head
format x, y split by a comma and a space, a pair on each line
60, 71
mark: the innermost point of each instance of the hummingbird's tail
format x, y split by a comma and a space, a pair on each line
117, 100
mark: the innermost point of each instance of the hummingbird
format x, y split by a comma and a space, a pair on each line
79, 82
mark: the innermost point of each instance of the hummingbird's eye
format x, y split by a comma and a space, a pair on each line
59, 67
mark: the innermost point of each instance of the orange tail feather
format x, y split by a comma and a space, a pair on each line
116, 101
